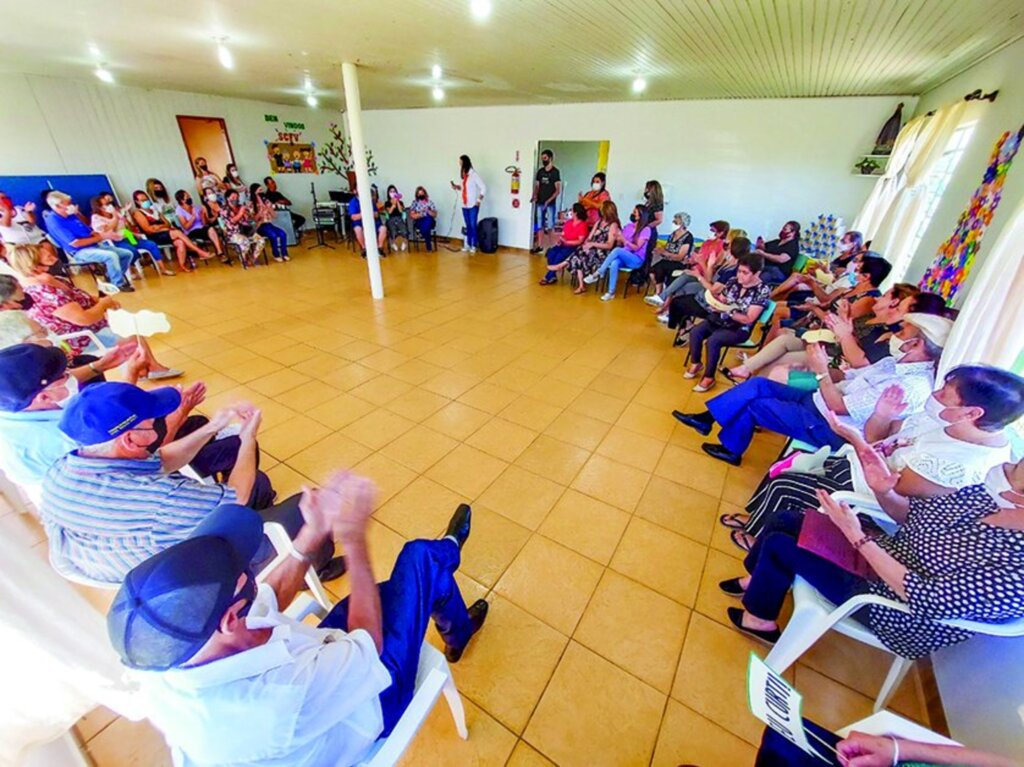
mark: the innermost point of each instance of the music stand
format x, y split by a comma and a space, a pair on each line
320, 241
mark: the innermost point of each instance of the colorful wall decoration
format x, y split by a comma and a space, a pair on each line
288, 153
956, 255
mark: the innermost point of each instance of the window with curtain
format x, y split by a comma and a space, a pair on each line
935, 185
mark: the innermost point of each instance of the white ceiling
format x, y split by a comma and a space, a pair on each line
526, 52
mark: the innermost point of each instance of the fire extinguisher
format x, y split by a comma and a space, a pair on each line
516, 176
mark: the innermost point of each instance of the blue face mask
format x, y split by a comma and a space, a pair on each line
147, 204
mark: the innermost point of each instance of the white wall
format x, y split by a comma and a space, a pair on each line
577, 163
756, 163
1000, 71
53, 125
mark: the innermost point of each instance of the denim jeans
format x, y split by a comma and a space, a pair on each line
541, 215
278, 239
115, 260
421, 587
425, 225
619, 258
556, 255
143, 246
470, 216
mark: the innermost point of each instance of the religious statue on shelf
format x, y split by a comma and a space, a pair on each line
887, 136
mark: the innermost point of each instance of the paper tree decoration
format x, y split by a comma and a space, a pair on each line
142, 323
956, 255
820, 240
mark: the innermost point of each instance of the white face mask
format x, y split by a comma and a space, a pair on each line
996, 483
72, 386
109, 208
934, 408
596, 186
895, 348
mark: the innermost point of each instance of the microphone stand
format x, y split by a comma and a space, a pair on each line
320, 241
451, 223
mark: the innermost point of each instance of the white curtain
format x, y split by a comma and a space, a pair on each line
56, 662
898, 227
988, 329
891, 182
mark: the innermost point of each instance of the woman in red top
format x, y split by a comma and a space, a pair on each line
593, 199
574, 232
62, 308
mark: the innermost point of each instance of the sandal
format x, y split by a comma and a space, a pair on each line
734, 379
742, 540
732, 521
693, 372
546, 281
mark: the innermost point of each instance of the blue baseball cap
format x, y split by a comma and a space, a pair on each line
25, 370
170, 605
107, 410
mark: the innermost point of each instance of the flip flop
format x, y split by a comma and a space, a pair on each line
732, 521
732, 378
739, 539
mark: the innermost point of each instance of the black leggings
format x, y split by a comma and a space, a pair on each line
684, 307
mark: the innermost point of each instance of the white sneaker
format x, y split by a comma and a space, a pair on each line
472, 250
403, 246
465, 248
663, 318
654, 300
590, 279
608, 297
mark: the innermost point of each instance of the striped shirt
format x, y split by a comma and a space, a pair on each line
104, 516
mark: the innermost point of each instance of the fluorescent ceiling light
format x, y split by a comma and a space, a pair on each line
438, 94
639, 85
308, 84
226, 60
311, 100
481, 9
435, 71
104, 75
94, 50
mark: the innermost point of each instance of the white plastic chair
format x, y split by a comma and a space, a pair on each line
94, 341
813, 616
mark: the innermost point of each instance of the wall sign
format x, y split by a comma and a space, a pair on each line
270, 118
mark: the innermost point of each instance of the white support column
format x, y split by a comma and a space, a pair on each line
354, 112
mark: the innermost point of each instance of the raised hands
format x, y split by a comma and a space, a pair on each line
891, 404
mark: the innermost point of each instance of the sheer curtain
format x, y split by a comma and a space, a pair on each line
891, 182
988, 329
898, 227
56, 662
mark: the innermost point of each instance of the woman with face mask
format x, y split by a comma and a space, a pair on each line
232, 181
471, 190
955, 555
629, 254
671, 256
394, 212
147, 220
423, 213
108, 218
195, 224
240, 227
594, 198
207, 180
162, 201
263, 215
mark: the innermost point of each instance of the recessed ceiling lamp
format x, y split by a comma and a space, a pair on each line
435, 71
311, 100
639, 85
481, 9
94, 50
224, 55
438, 94
104, 74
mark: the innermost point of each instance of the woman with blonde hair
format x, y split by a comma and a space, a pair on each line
591, 254
146, 218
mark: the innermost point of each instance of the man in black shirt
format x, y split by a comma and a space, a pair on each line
274, 197
547, 185
780, 255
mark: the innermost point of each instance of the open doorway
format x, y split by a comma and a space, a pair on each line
207, 137
574, 164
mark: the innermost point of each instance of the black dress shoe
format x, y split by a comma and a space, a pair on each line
699, 422
768, 637
721, 453
458, 525
334, 569
477, 616
126, 287
732, 587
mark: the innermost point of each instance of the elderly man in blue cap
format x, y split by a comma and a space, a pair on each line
230, 680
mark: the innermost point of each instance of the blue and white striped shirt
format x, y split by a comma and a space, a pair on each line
106, 515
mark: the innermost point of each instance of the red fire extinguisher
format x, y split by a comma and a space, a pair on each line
516, 176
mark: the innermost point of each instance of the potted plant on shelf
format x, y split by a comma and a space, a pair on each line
336, 157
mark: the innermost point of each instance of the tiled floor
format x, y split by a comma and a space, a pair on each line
594, 532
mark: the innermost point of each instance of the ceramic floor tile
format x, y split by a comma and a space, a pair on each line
381, 390
615, 385
451, 385
679, 508
456, 420
520, 650
467, 471
129, 743
323, 458
420, 510
93, 722
389, 475
493, 544
531, 413
437, 742
552, 458
502, 439
415, 371
488, 397
700, 472
278, 382
524, 755
286, 481
649, 649
610, 481
515, 378
377, 428
688, 738
419, 448
579, 430
522, 496
617, 726
712, 676
632, 449
647, 421
711, 601
554, 392
348, 377
720, 540
339, 411
829, 703
307, 396
289, 438
656, 557
417, 404
603, 407
551, 582
585, 525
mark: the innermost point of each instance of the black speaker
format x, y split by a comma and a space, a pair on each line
487, 235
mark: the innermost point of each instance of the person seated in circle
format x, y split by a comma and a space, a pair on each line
690, 304
676, 252
591, 254
780, 254
394, 209
195, 224
108, 219
629, 254
423, 214
276, 198
147, 219
356, 215
574, 233
263, 214
240, 227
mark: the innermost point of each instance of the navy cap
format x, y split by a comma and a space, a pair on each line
170, 605
25, 370
104, 411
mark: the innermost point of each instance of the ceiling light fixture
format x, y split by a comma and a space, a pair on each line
435, 71
104, 74
94, 51
308, 83
639, 85
311, 100
438, 94
481, 9
224, 55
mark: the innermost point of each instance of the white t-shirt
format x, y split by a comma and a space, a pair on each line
21, 231
863, 387
923, 446
308, 697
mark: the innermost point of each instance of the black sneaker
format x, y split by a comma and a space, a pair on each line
477, 616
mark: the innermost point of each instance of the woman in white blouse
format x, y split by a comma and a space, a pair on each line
958, 437
473, 191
